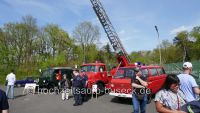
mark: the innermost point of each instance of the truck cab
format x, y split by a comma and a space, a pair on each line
121, 81
97, 74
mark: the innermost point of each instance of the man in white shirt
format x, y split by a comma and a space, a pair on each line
188, 84
11, 78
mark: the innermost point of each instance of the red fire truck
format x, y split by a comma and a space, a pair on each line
97, 74
156, 74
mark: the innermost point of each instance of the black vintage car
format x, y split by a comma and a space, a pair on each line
48, 76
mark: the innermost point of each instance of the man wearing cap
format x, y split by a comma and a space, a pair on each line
188, 84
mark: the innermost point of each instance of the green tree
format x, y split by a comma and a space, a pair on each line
195, 34
182, 41
86, 34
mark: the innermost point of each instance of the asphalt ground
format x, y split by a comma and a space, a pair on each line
52, 103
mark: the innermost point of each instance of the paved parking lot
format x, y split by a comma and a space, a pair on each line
51, 103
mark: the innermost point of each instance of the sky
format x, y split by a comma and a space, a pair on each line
134, 20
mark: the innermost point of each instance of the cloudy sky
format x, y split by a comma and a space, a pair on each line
134, 20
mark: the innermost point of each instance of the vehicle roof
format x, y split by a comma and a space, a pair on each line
143, 67
61, 68
96, 64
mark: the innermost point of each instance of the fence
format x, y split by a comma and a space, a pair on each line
177, 68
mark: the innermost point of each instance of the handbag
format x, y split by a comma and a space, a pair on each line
140, 96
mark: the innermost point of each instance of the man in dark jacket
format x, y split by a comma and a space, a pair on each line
77, 85
85, 82
4, 106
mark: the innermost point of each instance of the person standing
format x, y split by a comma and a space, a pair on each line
11, 78
77, 85
139, 96
59, 78
65, 87
188, 84
170, 99
4, 106
85, 82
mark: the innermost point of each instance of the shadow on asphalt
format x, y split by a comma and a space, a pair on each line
119, 100
18, 96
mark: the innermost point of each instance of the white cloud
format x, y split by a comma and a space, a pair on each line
179, 29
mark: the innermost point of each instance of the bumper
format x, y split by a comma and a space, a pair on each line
120, 95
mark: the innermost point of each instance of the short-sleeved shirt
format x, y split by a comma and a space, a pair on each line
187, 84
134, 80
11, 78
3, 101
169, 99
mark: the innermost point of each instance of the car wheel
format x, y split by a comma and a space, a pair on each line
101, 88
18, 85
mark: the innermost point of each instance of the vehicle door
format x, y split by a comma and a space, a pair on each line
121, 82
162, 76
153, 80
103, 74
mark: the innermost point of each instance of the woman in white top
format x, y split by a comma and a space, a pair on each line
170, 98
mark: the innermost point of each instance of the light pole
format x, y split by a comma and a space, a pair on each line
159, 44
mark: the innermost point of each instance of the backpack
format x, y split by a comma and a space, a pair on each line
192, 107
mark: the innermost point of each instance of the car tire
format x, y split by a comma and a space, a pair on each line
18, 85
101, 88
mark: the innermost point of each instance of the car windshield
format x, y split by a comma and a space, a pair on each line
46, 72
90, 68
124, 72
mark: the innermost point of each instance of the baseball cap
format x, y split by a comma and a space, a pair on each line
187, 65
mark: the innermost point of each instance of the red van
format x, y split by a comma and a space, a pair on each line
121, 81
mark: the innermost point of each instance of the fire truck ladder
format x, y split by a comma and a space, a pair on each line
111, 33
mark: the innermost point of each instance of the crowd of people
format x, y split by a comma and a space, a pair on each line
180, 93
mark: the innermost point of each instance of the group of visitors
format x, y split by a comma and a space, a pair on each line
180, 93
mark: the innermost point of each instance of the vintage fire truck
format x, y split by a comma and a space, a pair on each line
97, 72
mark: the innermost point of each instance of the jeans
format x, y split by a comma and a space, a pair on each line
65, 94
10, 87
139, 104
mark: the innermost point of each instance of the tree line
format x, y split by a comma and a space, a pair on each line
27, 47
185, 46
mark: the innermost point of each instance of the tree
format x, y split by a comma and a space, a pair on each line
86, 34
182, 41
195, 34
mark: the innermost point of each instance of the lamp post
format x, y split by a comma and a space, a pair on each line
159, 44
